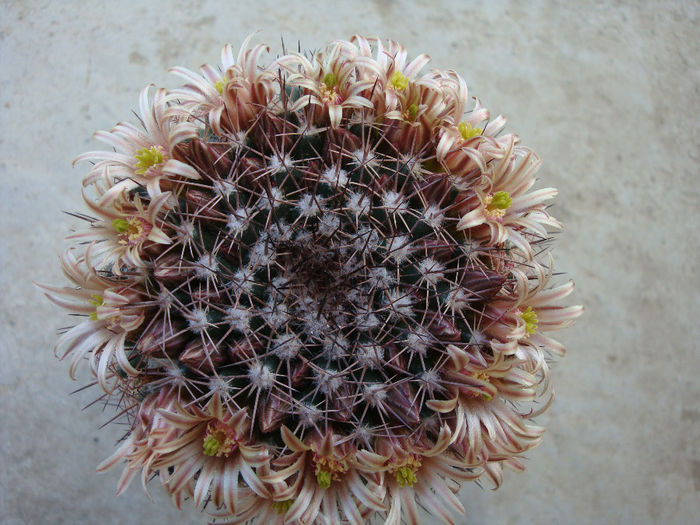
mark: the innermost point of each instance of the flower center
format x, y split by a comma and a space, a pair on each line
219, 440
497, 204
329, 90
467, 132
530, 318
132, 230
146, 158
406, 474
282, 506
398, 81
411, 113
329, 469
220, 86
481, 376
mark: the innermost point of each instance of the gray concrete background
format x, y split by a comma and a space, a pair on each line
606, 93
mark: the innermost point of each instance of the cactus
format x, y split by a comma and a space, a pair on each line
318, 289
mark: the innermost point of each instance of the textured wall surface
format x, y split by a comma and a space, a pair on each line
605, 92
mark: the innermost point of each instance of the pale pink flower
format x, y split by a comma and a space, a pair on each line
328, 82
229, 99
490, 434
137, 448
270, 510
473, 373
522, 313
211, 454
389, 70
468, 142
419, 110
411, 106
329, 486
503, 210
112, 310
487, 431
416, 474
123, 231
144, 158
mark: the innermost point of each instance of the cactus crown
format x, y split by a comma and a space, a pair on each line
314, 284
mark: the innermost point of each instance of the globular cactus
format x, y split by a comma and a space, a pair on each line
316, 288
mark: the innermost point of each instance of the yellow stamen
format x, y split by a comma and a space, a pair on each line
282, 506
398, 81
530, 318
146, 158
467, 131
220, 86
483, 376
497, 204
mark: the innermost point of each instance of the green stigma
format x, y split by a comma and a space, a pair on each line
282, 506
330, 80
398, 81
530, 318
97, 300
220, 86
146, 158
406, 476
211, 446
120, 225
412, 112
324, 479
467, 131
501, 200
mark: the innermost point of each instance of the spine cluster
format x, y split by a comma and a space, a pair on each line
317, 289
